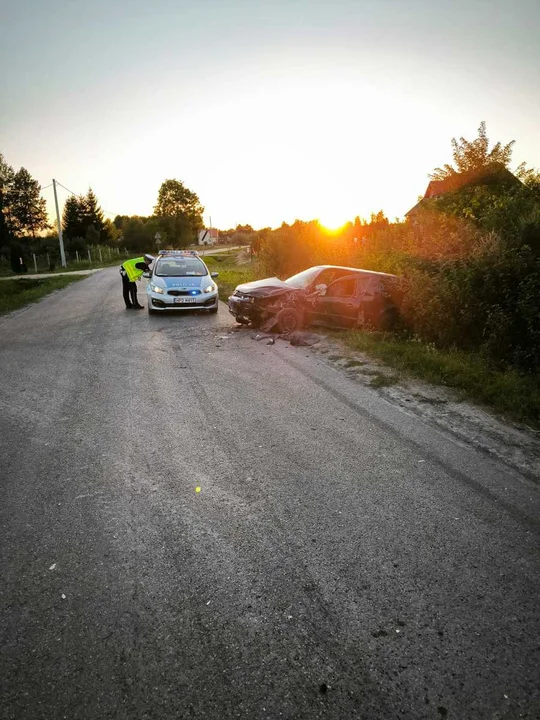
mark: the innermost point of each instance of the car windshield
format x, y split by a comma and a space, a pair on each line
303, 279
180, 267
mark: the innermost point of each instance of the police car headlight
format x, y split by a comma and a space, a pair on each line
157, 289
209, 288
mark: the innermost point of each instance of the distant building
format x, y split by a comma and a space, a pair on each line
494, 174
208, 236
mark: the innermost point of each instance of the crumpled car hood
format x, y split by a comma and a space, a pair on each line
269, 287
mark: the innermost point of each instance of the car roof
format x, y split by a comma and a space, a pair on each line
356, 271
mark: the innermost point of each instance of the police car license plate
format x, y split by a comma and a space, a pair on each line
183, 300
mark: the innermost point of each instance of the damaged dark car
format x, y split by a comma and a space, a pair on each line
323, 295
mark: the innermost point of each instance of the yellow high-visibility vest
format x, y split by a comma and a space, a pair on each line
133, 272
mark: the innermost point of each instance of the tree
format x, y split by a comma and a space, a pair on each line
82, 212
139, 234
119, 221
73, 217
110, 233
179, 212
530, 177
474, 154
92, 213
28, 210
6, 178
92, 236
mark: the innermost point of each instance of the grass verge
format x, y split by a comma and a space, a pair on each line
230, 274
515, 395
15, 294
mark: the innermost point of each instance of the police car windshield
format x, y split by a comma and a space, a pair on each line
180, 267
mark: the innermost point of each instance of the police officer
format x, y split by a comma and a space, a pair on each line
131, 271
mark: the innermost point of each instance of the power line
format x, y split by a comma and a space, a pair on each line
12, 191
107, 212
69, 191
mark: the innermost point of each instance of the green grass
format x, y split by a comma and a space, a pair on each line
15, 294
230, 274
510, 393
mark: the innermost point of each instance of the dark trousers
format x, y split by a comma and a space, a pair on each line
129, 291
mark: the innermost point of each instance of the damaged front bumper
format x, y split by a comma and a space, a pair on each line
243, 307
267, 311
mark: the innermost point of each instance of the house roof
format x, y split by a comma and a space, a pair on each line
493, 174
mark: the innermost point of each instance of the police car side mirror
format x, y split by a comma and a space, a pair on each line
214, 275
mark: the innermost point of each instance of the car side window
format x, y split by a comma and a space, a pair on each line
324, 278
342, 288
364, 285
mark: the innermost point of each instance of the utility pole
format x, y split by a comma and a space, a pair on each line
60, 238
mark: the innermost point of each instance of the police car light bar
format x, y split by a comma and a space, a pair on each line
191, 253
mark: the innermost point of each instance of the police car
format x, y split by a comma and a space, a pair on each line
181, 281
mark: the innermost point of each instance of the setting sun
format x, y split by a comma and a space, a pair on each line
332, 225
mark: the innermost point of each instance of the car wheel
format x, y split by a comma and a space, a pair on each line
213, 310
288, 320
150, 311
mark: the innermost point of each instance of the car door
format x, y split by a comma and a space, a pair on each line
366, 299
338, 306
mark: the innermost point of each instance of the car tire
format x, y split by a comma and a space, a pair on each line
213, 310
150, 311
288, 320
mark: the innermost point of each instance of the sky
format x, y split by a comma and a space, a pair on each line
269, 110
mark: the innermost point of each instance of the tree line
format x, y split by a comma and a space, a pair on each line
177, 219
25, 226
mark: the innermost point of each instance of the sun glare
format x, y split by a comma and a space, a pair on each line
331, 226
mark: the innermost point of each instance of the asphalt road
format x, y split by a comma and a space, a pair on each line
343, 559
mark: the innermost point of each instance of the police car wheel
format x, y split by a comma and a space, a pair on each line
213, 310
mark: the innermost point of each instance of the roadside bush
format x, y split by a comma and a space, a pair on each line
488, 302
292, 248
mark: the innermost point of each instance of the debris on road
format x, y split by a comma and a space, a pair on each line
52, 566
298, 338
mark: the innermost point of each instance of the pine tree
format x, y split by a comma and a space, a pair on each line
73, 217
93, 214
